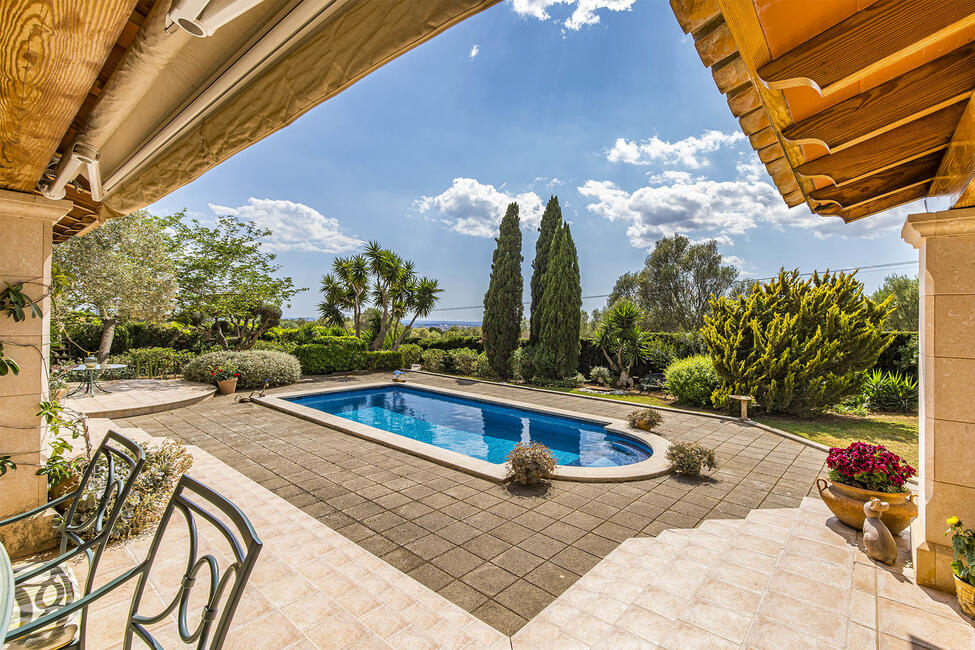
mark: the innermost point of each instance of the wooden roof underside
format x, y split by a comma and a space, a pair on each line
853, 112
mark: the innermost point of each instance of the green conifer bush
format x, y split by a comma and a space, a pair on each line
797, 346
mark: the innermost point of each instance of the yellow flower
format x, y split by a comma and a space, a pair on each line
954, 521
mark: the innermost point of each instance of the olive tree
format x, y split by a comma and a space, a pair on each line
121, 271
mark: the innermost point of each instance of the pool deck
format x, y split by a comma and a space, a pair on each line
502, 553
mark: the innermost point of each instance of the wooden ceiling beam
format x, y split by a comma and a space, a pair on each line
874, 38
879, 185
52, 52
900, 197
923, 90
957, 170
912, 140
692, 15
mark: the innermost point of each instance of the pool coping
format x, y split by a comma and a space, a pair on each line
656, 465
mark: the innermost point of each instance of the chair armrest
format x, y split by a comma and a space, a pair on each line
40, 508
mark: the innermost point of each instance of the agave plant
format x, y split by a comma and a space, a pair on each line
890, 391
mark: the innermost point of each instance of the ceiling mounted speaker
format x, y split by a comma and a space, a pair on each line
202, 18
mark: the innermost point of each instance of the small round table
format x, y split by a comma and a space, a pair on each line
89, 383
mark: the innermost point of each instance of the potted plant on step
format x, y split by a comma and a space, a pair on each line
861, 472
963, 564
225, 378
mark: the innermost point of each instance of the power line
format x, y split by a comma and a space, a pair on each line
802, 275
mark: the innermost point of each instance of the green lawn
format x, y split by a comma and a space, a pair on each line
896, 432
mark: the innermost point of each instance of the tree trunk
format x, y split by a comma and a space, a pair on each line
108, 335
406, 330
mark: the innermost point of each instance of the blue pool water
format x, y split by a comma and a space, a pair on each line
478, 429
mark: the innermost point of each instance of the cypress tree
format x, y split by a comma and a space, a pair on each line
558, 311
551, 222
502, 302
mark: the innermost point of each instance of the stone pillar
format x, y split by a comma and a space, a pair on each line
26, 223
946, 244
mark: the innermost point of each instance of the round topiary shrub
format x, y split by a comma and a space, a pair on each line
255, 367
692, 380
434, 360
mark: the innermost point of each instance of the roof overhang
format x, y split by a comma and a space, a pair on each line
162, 107
853, 106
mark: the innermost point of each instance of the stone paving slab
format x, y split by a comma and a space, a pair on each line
131, 397
500, 552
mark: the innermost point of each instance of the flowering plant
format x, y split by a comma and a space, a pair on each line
870, 467
221, 373
963, 544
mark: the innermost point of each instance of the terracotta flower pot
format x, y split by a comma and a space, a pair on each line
965, 593
227, 386
847, 501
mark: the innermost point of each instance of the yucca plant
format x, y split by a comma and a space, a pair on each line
890, 391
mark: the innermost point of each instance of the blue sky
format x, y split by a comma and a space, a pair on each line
608, 107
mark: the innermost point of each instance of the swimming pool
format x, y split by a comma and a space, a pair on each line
476, 428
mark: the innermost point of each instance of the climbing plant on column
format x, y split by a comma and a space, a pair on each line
797, 346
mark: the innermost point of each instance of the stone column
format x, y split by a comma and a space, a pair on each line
26, 223
946, 244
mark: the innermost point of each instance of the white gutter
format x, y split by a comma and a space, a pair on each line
302, 20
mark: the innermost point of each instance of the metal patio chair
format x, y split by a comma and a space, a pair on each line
223, 591
117, 461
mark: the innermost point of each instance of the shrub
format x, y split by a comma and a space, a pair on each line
645, 419
690, 458
540, 364
517, 368
163, 335
870, 467
796, 346
157, 362
482, 367
530, 462
383, 360
600, 375
412, 353
692, 380
450, 343
900, 355
165, 464
890, 391
331, 354
657, 355
255, 367
434, 360
462, 361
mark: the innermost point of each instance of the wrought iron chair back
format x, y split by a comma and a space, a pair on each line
118, 461
194, 500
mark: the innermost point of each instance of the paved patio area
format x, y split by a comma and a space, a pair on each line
130, 397
501, 553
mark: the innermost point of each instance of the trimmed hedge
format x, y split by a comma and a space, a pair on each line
383, 360
331, 354
452, 343
254, 366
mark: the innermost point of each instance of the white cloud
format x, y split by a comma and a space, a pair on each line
686, 152
550, 182
704, 208
584, 13
295, 226
473, 208
475, 50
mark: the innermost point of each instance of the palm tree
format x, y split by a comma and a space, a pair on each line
424, 296
344, 290
620, 335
